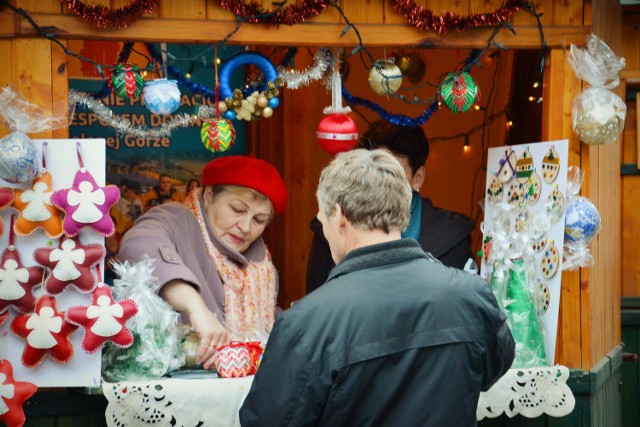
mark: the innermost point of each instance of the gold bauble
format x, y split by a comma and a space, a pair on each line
385, 80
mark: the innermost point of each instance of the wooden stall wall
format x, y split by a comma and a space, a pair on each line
589, 297
630, 157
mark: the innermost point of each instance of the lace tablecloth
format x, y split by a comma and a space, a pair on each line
176, 402
215, 402
530, 393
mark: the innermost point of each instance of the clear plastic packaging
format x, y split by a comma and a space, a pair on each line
598, 113
582, 223
157, 346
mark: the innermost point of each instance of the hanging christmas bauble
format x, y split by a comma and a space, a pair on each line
459, 91
412, 67
582, 221
336, 133
598, 116
126, 80
385, 78
19, 160
161, 96
217, 135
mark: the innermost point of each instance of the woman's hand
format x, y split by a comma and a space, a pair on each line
212, 335
184, 298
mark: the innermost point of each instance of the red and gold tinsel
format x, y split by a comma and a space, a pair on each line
424, 19
103, 17
294, 14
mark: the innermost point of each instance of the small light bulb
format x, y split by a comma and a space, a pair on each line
532, 98
144, 73
510, 123
476, 107
466, 148
188, 75
218, 60
536, 84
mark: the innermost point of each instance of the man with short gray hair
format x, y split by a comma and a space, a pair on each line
393, 338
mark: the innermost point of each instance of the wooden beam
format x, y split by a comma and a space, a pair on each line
9, 25
307, 34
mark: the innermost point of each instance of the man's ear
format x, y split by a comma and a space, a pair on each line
339, 218
418, 178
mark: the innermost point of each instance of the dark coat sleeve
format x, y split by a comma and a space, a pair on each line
320, 262
286, 390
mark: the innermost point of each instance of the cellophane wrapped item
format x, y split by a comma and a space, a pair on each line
157, 347
513, 268
598, 113
20, 161
582, 223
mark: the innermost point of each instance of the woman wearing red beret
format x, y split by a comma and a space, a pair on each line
215, 239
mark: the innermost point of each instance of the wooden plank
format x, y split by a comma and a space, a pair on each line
391, 16
192, 9
6, 75
545, 7
364, 11
307, 34
637, 128
39, 6
59, 88
568, 12
9, 24
603, 175
31, 72
559, 88
455, 7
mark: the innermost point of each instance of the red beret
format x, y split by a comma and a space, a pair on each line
248, 172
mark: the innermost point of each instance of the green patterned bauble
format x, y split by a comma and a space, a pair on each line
459, 91
126, 80
217, 135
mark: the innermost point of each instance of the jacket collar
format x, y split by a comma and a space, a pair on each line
375, 255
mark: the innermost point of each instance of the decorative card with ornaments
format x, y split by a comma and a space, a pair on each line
42, 347
524, 220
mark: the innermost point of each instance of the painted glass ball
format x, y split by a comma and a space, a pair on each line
385, 78
217, 135
459, 91
582, 221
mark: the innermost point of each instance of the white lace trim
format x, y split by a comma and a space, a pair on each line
530, 393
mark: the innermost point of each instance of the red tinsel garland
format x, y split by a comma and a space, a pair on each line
102, 16
294, 14
424, 19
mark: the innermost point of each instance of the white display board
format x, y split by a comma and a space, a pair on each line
523, 182
83, 369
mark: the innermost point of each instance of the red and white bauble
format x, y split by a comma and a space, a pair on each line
337, 133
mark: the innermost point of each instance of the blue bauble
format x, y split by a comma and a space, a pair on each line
274, 102
19, 158
582, 221
230, 115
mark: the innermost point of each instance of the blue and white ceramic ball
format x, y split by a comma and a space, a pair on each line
19, 158
161, 96
582, 221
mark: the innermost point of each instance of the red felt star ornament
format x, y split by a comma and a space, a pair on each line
86, 204
17, 282
46, 331
71, 263
6, 197
13, 395
104, 320
36, 209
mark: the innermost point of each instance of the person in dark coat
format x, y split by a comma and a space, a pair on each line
394, 337
444, 234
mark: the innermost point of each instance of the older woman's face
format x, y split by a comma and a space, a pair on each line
236, 217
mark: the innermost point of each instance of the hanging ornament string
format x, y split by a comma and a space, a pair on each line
11, 232
217, 82
191, 87
398, 119
424, 19
78, 152
103, 17
44, 157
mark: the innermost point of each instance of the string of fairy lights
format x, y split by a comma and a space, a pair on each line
319, 70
